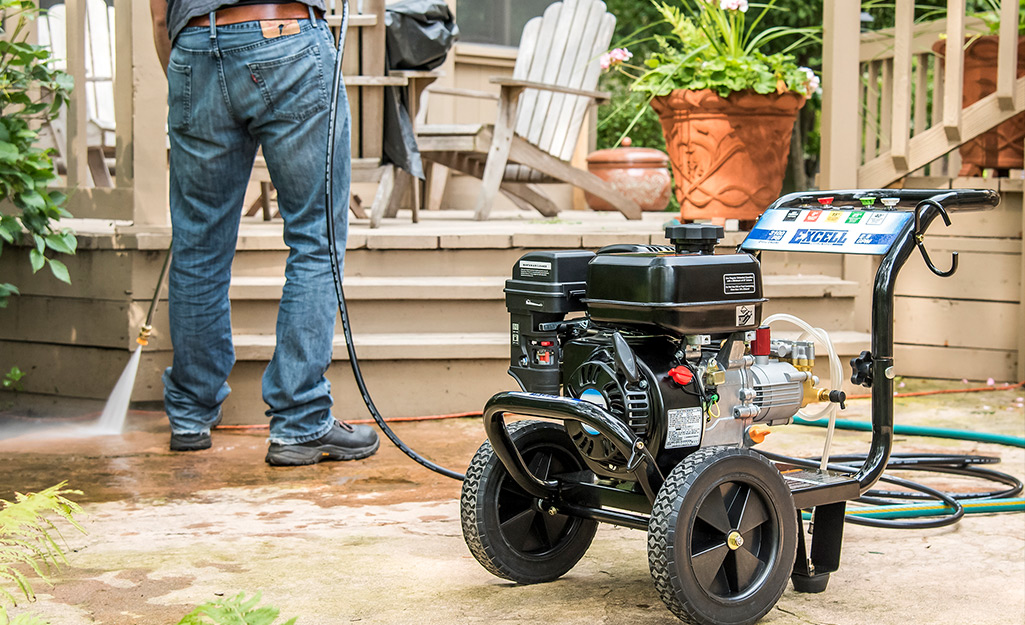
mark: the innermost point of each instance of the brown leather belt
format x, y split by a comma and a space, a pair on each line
255, 13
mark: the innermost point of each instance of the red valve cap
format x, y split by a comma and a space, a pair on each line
681, 375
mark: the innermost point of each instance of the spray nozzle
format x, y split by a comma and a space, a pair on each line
144, 334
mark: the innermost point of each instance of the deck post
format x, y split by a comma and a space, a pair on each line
148, 143
77, 128
841, 36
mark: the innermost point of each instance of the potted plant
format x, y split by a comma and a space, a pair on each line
726, 107
1001, 147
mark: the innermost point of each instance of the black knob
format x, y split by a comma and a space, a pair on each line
695, 238
862, 369
838, 397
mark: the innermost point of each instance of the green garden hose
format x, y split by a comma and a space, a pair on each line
886, 512
915, 430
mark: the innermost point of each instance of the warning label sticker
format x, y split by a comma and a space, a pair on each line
745, 316
534, 269
685, 427
738, 283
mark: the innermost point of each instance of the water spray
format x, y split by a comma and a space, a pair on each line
112, 420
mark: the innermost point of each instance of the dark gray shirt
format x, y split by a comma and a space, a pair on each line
179, 12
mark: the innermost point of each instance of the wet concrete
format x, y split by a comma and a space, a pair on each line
378, 541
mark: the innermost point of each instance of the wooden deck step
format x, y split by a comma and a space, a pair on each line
382, 304
411, 374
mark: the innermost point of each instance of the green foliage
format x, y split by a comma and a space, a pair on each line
26, 172
634, 20
709, 47
989, 12
21, 619
235, 611
29, 537
12, 382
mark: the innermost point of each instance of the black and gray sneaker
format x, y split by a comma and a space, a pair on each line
193, 442
190, 442
342, 442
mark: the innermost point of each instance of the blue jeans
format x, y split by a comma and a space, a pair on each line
231, 89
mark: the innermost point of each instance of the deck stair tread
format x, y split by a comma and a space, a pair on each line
394, 346
383, 287
490, 287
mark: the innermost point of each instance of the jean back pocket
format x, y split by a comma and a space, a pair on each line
293, 86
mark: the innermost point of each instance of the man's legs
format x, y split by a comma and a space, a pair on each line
282, 84
211, 157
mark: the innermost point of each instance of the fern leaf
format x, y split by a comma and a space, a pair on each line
237, 610
29, 538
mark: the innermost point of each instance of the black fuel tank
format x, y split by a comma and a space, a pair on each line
679, 293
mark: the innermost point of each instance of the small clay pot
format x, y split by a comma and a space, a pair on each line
641, 174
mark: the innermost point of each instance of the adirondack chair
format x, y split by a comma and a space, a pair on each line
541, 111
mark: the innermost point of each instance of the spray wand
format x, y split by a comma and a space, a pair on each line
147, 328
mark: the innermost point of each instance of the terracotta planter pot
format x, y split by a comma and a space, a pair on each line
641, 174
729, 155
1000, 148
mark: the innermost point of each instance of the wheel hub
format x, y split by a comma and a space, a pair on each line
734, 540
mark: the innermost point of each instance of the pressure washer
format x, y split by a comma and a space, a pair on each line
664, 376
658, 364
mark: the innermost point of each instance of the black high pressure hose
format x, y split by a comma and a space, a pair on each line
956, 465
336, 264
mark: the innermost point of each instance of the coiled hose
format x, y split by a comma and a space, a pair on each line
888, 508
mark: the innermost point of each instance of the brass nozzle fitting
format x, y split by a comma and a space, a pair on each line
144, 334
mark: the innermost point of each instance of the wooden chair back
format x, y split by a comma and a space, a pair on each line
561, 47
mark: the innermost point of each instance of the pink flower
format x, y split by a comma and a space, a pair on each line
812, 82
615, 57
734, 5
990, 382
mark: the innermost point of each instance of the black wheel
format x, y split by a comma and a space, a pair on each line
504, 527
722, 537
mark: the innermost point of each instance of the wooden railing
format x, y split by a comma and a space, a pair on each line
138, 186
907, 99
137, 192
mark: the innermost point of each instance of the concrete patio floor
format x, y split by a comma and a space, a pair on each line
379, 541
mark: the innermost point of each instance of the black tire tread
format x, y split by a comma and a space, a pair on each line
481, 551
661, 531
480, 546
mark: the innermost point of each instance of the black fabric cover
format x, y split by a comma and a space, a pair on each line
419, 35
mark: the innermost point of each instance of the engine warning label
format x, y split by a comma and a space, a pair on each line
745, 316
733, 283
535, 269
685, 427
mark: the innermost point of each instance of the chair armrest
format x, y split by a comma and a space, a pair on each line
463, 93
416, 73
598, 96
